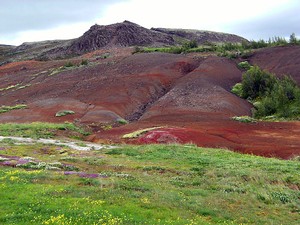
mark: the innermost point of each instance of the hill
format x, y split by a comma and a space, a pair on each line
187, 96
182, 98
118, 35
201, 36
123, 34
279, 60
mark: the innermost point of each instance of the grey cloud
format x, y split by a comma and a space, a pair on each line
280, 24
22, 15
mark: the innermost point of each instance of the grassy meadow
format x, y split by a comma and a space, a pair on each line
151, 184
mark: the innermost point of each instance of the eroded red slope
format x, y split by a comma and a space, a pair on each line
188, 95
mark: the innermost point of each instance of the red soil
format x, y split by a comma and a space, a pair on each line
187, 94
279, 60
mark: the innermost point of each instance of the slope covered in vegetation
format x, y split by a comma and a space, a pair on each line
153, 184
270, 95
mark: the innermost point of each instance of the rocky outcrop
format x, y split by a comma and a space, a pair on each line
119, 35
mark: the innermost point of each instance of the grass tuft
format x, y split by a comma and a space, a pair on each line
64, 113
39, 129
4, 109
138, 133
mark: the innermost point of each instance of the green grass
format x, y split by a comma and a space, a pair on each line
226, 49
153, 184
39, 129
4, 109
64, 113
15, 87
9, 87
244, 119
138, 133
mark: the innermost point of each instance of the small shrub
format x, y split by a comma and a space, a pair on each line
69, 64
293, 39
138, 49
84, 62
283, 197
122, 121
107, 127
190, 44
237, 89
244, 119
257, 82
64, 113
244, 65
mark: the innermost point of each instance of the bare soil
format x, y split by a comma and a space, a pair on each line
189, 95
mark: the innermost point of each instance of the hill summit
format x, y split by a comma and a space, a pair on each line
119, 35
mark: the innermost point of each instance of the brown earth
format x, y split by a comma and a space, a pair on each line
188, 95
279, 60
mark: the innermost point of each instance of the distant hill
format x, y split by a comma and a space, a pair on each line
4, 51
123, 34
35, 50
200, 36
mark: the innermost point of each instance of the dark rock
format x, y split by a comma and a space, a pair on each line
118, 35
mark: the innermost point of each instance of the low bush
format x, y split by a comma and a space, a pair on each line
122, 121
237, 89
270, 95
69, 64
244, 119
245, 65
84, 62
257, 82
190, 44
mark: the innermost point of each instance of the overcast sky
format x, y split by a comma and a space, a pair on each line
36, 20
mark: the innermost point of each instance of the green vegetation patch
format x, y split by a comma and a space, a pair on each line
64, 113
237, 89
271, 96
10, 87
39, 130
186, 47
244, 119
122, 121
229, 50
68, 66
245, 65
15, 87
4, 109
138, 133
150, 184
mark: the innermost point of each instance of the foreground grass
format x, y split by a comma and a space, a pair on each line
153, 184
40, 130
